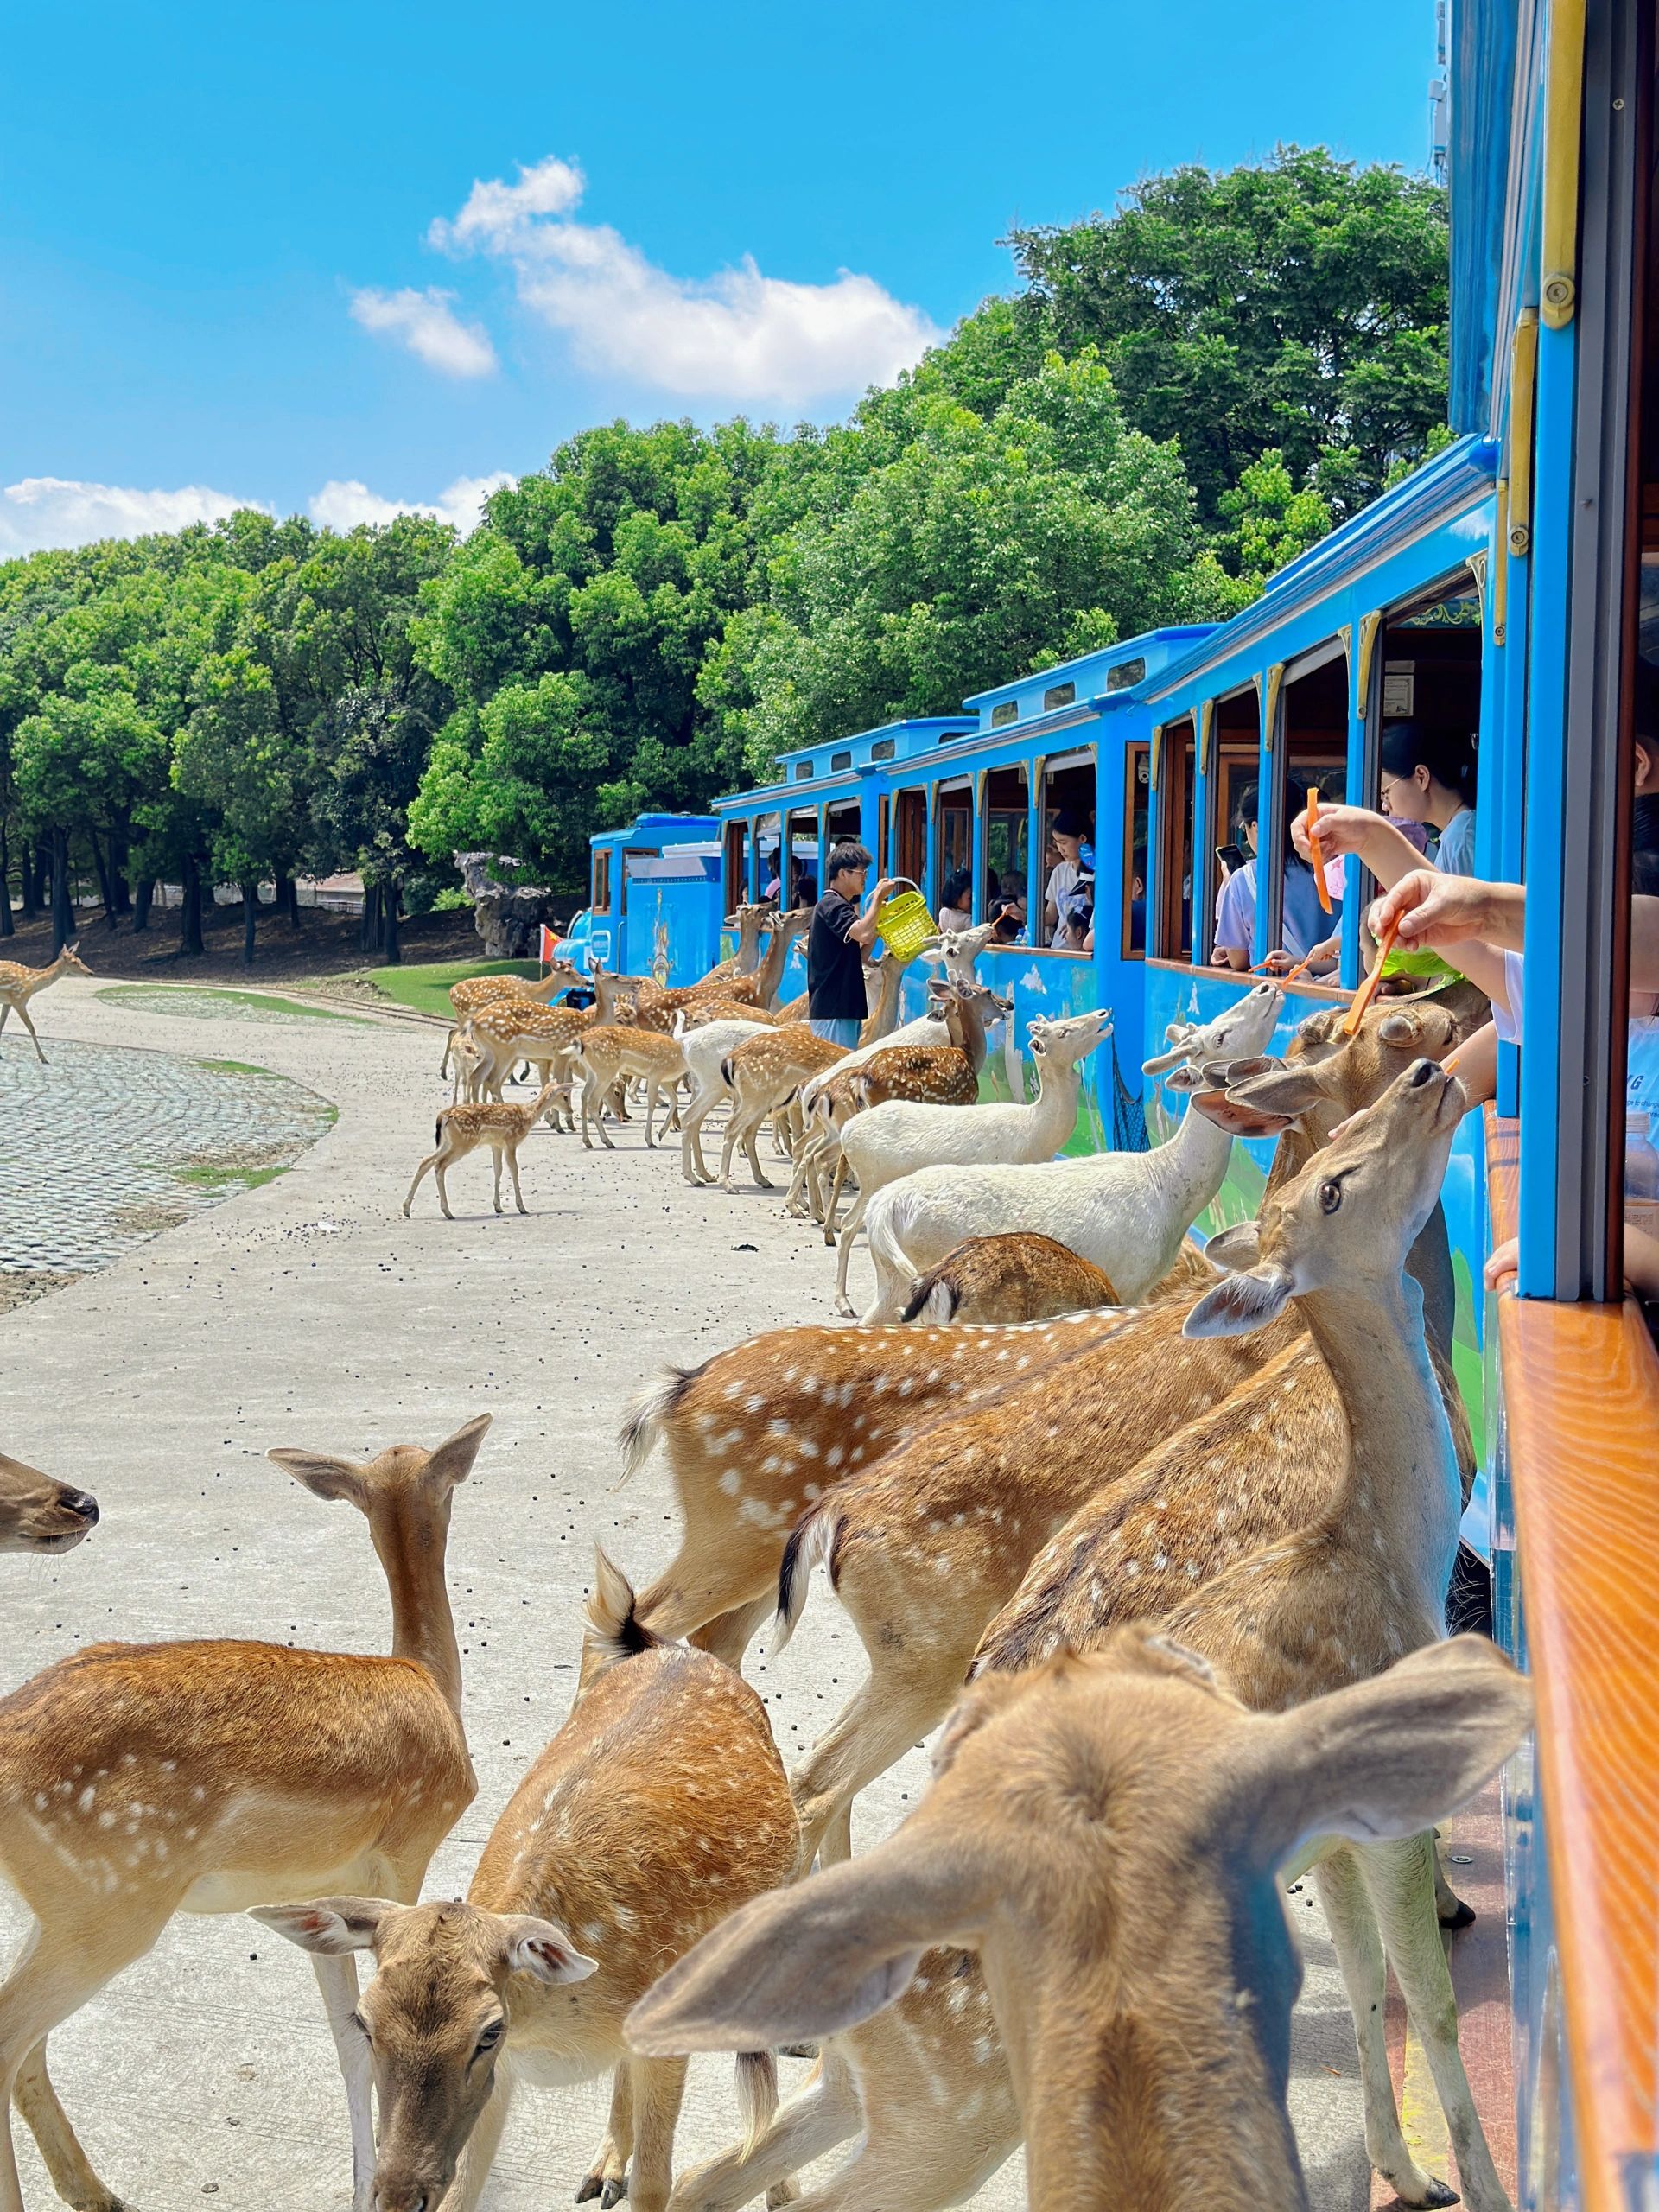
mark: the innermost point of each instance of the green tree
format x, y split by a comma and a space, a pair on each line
1299, 304
236, 762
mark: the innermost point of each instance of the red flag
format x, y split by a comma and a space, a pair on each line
548, 941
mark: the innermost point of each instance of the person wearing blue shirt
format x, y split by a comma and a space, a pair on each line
1428, 777
1305, 925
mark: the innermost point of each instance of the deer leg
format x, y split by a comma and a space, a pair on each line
658, 2088
729, 1635
337, 1980
448, 1046
850, 1228
1449, 1908
71, 2172
512, 1166
651, 1114
750, 1143
22, 1016
832, 1202
439, 1172
421, 1174
1400, 1880
496, 1150
607, 2173
876, 1727
824, 2112
693, 1166
1364, 1975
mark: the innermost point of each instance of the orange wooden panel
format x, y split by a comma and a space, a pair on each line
1581, 1395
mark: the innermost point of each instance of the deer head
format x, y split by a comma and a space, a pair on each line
40, 1515
436, 2018
1324, 1076
1143, 2044
1243, 1028
1349, 1217
1063, 1044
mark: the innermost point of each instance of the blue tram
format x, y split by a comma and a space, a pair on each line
1508, 588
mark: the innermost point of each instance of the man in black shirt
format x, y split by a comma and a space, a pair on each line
836, 1005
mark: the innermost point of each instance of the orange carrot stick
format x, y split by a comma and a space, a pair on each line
1313, 852
1366, 990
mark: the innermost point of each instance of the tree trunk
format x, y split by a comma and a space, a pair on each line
250, 921
369, 937
120, 849
6, 928
288, 900
63, 912
105, 881
391, 949
142, 897
190, 912
29, 871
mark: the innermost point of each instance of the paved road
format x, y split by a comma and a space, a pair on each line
308, 1311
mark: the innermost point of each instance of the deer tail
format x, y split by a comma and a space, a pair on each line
810, 1542
933, 1298
757, 2094
613, 1631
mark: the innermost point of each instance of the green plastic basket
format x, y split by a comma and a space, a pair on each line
904, 924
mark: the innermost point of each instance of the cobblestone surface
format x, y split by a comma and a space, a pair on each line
194, 1004
107, 1147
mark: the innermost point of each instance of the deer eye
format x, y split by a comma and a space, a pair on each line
489, 2038
1329, 1197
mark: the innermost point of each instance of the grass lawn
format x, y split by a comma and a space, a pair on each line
426, 987
209, 999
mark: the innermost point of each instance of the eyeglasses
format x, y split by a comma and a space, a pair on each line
1392, 783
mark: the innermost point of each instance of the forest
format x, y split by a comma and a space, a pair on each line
1177, 397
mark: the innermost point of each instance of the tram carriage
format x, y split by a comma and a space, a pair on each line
1504, 588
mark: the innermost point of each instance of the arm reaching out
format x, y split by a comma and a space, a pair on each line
1358, 829
1463, 919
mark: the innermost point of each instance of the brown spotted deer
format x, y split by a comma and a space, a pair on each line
1021, 1276
605, 1058
18, 985
756, 1433
657, 1008
925, 1075
38, 1513
141, 1780
751, 923
659, 1807
764, 1073
1287, 1603
1148, 2050
925, 1546
461, 1129
507, 1033
473, 993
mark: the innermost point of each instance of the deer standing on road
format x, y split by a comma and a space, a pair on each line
18, 985
659, 1807
1149, 2050
473, 993
461, 1129
141, 1780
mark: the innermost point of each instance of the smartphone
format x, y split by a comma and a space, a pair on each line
1231, 857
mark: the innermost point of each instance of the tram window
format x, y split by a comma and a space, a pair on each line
769, 838
1058, 694
802, 883
1008, 831
953, 832
1127, 674
912, 856
1314, 752
1007, 712
884, 748
1068, 867
884, 860
803, 772
1236, 763
1172, 938
737, 866
1431, 678
601, 879
839, 760
845, 823
1137, 802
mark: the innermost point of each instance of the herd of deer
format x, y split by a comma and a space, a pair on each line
1172, 1572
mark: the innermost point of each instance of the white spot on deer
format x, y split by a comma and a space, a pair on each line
86, 1800
729, 1481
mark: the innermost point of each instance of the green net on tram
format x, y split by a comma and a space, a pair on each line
1128, 1114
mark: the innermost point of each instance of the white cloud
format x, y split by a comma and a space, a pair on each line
738, 336
494, 211
45, 510
341, 504
427, 325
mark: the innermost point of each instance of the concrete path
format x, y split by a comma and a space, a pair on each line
308, 1311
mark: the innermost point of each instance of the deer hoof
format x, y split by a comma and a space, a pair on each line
798, 2051
589, 2187
1463, 1916
612, 2193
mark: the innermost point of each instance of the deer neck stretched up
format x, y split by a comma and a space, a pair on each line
786, 928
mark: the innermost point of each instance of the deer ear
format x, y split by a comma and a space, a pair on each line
1241, 1303
1160, 1061
542, 1947
804, 1962
329, 1925
1236, 1248
1237, 1119
452, 1460
325, 1475
1388, 1757
1185, 1077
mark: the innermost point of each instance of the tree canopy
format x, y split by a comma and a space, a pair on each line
1183, 394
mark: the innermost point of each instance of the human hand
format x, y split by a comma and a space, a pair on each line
1338, 829
1433, 910
1501, 1262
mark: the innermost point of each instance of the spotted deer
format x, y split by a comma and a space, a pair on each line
18, 985
507, 1033
923, 1075
1149, 2051
1287, 1604
606, 1057
751, 923
925, 1546
657, 1007
764, 1073
473, 993
141, 1780
1021, 1276
707, 1042
38, 1513
659, 1807
461, 1129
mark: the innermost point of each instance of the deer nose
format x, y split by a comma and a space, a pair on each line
82, 1503
1422, 1073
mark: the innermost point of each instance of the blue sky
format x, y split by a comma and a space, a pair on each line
220, 277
